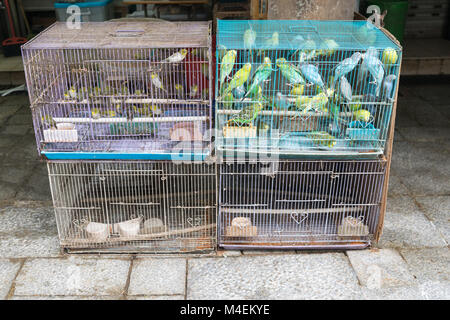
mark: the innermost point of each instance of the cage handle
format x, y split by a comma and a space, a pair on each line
127, 33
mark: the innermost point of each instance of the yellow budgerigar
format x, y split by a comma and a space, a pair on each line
227, 65
156, 81
362, 115
240, 77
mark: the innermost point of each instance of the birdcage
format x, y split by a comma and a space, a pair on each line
298, 87
134, 206
121, 87
300, 204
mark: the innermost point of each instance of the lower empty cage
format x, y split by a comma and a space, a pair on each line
134, 206
299, 204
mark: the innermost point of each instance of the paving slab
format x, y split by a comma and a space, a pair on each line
16, 129
23, 118
422, 166
67, 298
14, 174
425, 134
7, 190
396, 187
295, 276
426, 291
6, 111
380, 268
429, 264
8, 272
229, 253
266, 252
438, 210
72, 276
174, 297
405, 226
158, 277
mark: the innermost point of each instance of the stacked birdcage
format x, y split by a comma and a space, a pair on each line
315, 99
112, 103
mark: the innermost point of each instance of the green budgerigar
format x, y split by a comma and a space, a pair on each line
227, 65
247, 115
319, 101
322, 138
240, 77
261, 74
290, 72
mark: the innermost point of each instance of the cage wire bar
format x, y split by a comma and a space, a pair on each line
299, 204
134, 206
121, 87
318, 88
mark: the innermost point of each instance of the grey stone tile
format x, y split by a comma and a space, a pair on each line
174, 297
7, 190
16, 129
14, 174
425, 134
19, 99
396, 187
429, 264
28, 232
158, 277
438, 210
8, 271
6, 111
425, 291
229, 253
432, 91
20, 119
422, 166
407, 227
37, 187
296, 276
67, 298
380, 268
72, 277
8, 141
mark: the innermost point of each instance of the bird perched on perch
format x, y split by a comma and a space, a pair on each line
227, 65
346, 66
362, 115
179, 89
312, 75
345, 89
176, 57
247, 115
249, 39
156, 81
289, 72
240, 77
262, 73
375, 67
388, 86
193, 92
319, 101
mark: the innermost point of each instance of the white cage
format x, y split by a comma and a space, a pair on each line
134, 206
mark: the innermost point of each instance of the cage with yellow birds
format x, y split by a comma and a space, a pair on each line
121, 89
304, 88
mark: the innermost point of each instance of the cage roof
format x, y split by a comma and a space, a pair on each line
123, 34
292, 34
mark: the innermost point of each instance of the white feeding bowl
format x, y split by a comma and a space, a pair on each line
97, 231
129, 228
65, 126
153, 225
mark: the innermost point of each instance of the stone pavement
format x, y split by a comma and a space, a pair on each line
412, 260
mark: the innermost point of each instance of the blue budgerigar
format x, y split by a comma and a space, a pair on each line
262, 73
345, 89
363, 68
290, 72
388, 86
376, 69
311, 74
346, 66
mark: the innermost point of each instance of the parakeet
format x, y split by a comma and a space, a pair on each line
311, 74
249, 39
193, 92
156, 81
247, 115
205, 94
179, 89
204, 68
71, 94
227, 65
375, 67
363, 68
291, 73
345, 89
156, 110
48, 121
322, 138
239, 92
227, 100
281, 101
331, 46
388, 86
221, 51
301, 102
362, 115
297, 90
176, 57
256, 92
319, 101
389, 56
262, 73
346, 66
95, 112
271, 43
109, 113
240, 77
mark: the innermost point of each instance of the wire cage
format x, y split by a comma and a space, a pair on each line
305, 87
299, 204
134, 206
121, 87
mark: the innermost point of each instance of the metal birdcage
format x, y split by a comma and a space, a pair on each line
121, 87
320, 88
300, 204
134, 206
